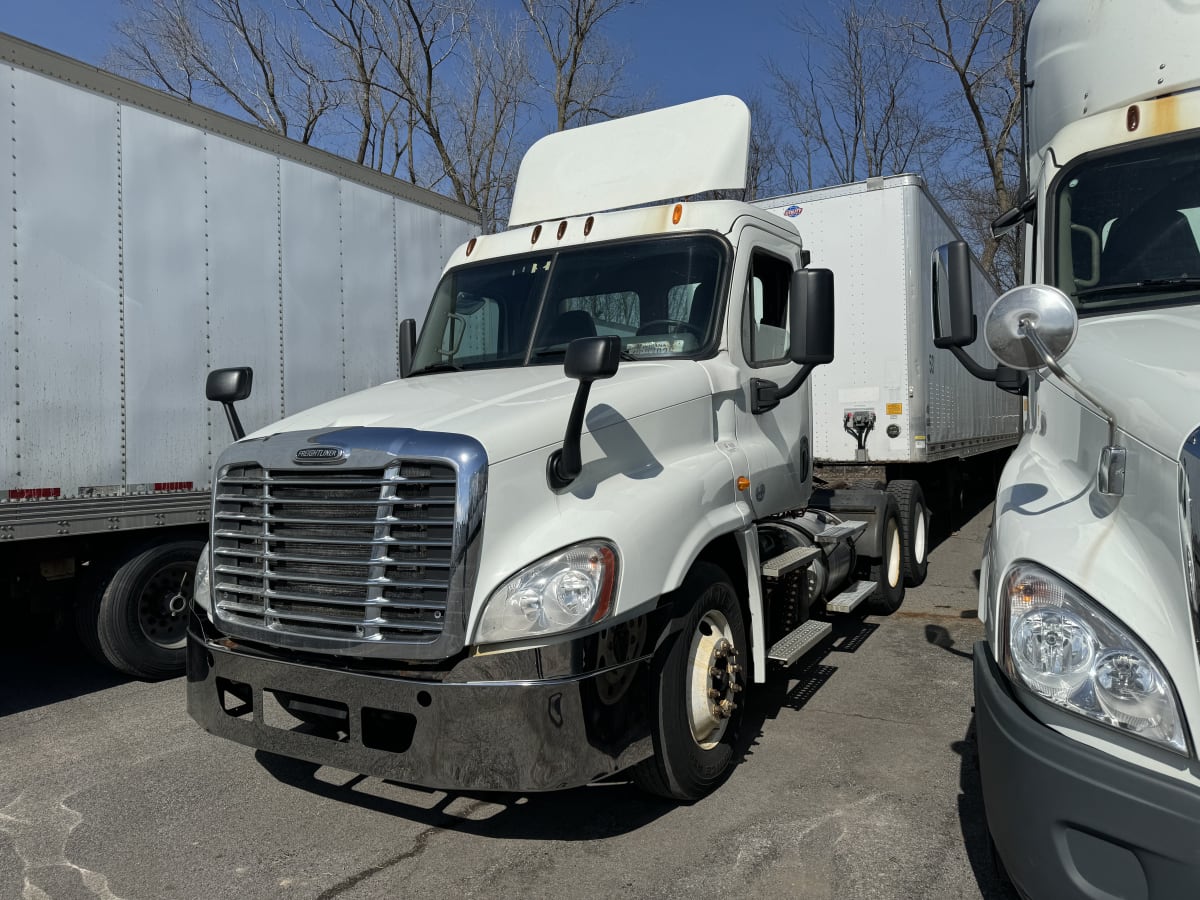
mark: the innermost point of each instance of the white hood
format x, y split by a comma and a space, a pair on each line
1145, 367
509, 411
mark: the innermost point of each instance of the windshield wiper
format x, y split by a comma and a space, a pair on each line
438, 367
1150, 285
549, 351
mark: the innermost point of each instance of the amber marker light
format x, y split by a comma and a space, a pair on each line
743, 483
677, 214
470, 246
587, 226
1133, 118
537, 233
562, 229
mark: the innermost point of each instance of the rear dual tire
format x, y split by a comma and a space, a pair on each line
888, 571
914, 529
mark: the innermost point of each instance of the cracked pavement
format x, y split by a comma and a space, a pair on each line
858, 780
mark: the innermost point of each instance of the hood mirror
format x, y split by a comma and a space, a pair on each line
1025, 315
1034, 325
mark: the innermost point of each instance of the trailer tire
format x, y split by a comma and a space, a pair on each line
140, 617
914, 529
888, 571
694, 734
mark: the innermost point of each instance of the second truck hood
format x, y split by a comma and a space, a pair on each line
509, 411
1144, 367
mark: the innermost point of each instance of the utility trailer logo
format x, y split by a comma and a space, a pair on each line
792, 211
320, 455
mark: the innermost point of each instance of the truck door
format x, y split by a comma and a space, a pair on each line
776, 442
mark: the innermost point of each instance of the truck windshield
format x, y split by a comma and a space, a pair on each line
1127, 227
660, 296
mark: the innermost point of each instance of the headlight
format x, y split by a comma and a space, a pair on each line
202, 593
1064, 648
574, 587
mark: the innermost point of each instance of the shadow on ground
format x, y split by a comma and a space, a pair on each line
42, 662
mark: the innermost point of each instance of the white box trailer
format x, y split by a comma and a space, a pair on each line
153, 240
891, 407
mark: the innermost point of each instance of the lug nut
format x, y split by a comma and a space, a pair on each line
713, 694
735, 687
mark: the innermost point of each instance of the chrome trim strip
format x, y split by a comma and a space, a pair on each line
1189, 519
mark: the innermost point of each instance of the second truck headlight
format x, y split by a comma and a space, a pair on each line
1065, 648
569, 589
202, 590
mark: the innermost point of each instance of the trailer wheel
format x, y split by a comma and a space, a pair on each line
888, 571
140, 617
914, 529
700, 674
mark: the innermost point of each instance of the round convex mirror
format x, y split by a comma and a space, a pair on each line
1045, 308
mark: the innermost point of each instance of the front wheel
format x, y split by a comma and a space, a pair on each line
140, 617
700, 676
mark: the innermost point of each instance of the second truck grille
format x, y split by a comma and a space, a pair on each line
364, 555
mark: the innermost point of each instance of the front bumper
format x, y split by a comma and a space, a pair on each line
1072, 822
523, 734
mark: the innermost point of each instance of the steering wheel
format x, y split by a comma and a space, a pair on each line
670, 326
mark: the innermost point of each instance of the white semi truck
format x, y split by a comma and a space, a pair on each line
890, 409
581, 526
147, 241
1087, 687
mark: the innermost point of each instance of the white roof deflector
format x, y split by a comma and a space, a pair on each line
673, 152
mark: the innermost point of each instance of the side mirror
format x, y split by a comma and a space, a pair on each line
953, 318
227, 386
588, 359
408, 346
810, 310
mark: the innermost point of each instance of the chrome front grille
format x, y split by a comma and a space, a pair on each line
336, 560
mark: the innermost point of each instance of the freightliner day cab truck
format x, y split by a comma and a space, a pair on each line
1087, 688
159, 241
581, 526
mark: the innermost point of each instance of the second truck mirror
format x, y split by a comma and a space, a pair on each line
227, 386
408, 346
953, 319
811, 314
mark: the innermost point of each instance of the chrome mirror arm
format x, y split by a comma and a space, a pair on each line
1111, 471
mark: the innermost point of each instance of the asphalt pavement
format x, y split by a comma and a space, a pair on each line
858, 780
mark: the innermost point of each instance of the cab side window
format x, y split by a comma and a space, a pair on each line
765, 333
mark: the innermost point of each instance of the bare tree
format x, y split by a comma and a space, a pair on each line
226, 51
586, 81
977, 43
854, 107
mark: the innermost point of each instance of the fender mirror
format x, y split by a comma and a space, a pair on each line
227, 386
588, 359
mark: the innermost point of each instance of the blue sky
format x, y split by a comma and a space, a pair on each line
678, 49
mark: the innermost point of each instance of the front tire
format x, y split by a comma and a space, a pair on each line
140, 617
700, 674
